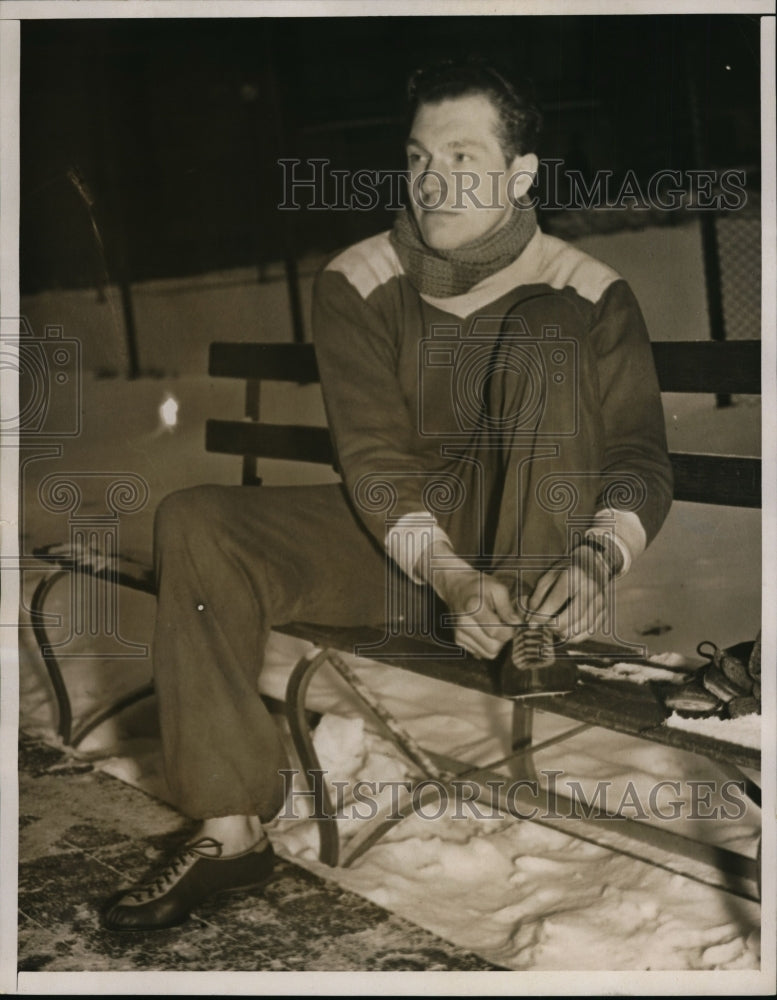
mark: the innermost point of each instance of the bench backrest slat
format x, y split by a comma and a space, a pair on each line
687, 366
268, 362
732, 366
726, 480
289, 441
729, 366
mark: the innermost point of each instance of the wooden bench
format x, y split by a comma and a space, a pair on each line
633, 709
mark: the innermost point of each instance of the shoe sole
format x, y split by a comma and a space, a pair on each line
135, 928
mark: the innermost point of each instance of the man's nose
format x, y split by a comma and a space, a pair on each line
433, 188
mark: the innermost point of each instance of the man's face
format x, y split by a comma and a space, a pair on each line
460, 186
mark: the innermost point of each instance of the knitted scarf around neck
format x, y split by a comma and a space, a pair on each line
441, 273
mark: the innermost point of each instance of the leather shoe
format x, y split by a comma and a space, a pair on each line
193, 875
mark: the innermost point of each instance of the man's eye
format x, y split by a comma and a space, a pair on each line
462, 157
414, 159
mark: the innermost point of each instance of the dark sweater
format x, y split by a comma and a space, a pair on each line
394, 415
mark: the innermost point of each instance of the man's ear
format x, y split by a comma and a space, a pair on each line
520, 175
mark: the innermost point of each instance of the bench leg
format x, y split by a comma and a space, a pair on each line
145, 691
69, 737
522, 765
753, 791
749, 787
523, 719
296, 690
64, 709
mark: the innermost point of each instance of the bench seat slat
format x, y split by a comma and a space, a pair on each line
634, 709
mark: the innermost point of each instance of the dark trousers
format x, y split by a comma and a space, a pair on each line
232, 563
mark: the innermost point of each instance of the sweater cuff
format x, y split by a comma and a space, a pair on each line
625, 529
408, 539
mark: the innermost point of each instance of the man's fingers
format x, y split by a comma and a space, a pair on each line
488, 645
500, 620
498, 633
584, 611
596, 623
485, 617
541, 589
474, 638
589, 617
503, 605
580, 594
570, 614
465, 640
553, 601
473, 604
573, 619
492, 605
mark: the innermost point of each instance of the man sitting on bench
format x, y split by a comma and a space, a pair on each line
476, 373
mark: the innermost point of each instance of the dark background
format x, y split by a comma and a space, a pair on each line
173, 128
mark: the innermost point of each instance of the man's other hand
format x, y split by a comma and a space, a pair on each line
571, 596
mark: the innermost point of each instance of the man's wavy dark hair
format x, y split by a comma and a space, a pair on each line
520, 119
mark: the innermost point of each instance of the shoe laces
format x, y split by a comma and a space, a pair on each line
206, 847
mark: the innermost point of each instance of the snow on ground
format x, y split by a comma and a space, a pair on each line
634, 673
521, 894
746, 730
524, 895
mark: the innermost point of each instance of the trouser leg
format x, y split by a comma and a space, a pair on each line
232, 562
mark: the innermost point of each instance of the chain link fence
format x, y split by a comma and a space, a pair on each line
738, 238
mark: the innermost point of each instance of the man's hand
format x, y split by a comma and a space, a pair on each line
486, 617
485, 614
575, 590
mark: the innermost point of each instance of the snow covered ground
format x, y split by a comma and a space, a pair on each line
523, 895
